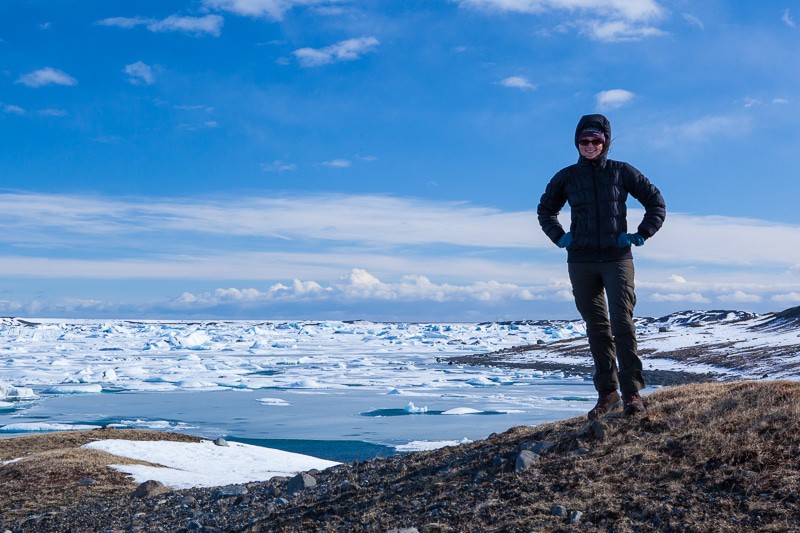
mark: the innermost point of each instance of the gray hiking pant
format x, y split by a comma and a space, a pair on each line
610, 328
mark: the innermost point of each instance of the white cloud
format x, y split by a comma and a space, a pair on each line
628, 9
751, 102
348, 50
394, 249
208, 24
368, 220
693, 297
278, 166
693, 20
613, 99
708, 127
124, 22
338, 163
605, 20
360, 284
619, 30
740, 297
787, 18
272, 9
790, 297
13, 110
52, 112
199, 126
139, 73
47, 76
518, 82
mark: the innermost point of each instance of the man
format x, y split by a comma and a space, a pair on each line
599, 257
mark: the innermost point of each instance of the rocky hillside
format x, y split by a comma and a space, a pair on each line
706, 457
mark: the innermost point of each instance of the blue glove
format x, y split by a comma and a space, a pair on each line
626, 239
565, 240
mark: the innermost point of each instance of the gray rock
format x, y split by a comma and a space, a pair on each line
189, 502
194, 525
559, 510
540, 447
221, 442
575, 517
403, 530
300, 482
348, 486
526, 459
229, 491
150, 488
480, 476
578, 452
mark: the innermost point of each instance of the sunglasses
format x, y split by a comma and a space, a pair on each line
587, 142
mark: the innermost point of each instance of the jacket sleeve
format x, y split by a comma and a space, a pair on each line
647, 194
550, 206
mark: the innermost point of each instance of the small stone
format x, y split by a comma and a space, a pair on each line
574, 517
221, 442
300, 482
87, 481
526, 459
194, 525
540, 447
403, 530
229, 491
559, 510
348, 486
578, 452
150, 488
189, 501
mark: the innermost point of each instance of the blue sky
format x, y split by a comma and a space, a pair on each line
383, 159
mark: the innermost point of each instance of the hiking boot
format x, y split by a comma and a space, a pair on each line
633, 403
605, 402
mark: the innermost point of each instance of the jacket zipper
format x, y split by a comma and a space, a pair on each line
596, 213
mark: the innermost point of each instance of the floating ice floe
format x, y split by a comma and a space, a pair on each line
77, 388
196, 340
425, 445
273, 401
43, 427
10, 392
463, 411
411, 408
482, 382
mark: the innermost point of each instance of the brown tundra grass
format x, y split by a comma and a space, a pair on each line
707, 457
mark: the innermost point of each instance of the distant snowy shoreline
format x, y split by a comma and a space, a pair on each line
395, 385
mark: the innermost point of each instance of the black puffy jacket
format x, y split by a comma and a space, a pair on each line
597, 190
